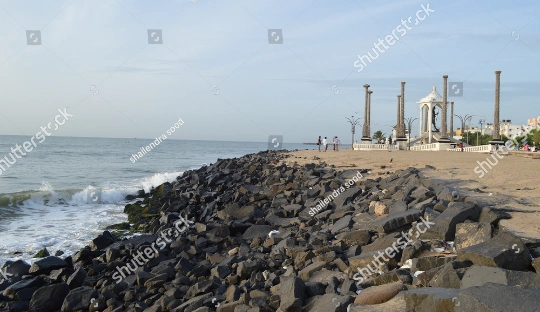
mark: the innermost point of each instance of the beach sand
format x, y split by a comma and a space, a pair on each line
512, 184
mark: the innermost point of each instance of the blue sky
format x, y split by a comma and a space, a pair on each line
280, 89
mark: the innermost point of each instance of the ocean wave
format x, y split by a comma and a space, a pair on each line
111, 192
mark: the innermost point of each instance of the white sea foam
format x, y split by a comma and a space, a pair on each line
63, 220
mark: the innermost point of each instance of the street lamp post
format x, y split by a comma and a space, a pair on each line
463, 122
482, 122
354, 123
409, 121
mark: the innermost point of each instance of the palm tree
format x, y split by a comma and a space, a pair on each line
379, 136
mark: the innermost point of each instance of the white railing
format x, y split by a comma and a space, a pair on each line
374, 147
426, 147
475, 149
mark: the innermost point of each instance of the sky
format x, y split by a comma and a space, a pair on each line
215, 67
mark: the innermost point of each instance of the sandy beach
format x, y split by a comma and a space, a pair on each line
512, 183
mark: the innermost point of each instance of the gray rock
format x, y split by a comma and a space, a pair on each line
479, 275
504, 250
79, 299
193, 303
306, 272
260, 231
445, 224
341, 224
328, 303
450, 275
46, 265
430, 262
102, 241
17, 268
470, 234
497, 298
49, 298
379, 294
76, 279
396, 221
292, 294
27, 283
431, 299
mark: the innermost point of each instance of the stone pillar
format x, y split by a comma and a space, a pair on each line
430, 116
496, 116
369, 114
427, 121
365, 134
451, 119
398, 123
444, 117
401, 132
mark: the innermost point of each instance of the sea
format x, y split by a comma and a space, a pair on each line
49, 197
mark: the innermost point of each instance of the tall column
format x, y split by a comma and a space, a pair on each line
430, 116
427, 121
421, 120
398, 123
401, 133
365, 134
369, 114
444, 117
451, 119
496, 125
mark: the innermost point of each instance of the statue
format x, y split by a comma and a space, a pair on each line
433, 119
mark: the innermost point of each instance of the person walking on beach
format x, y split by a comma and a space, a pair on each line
337, 143
325, 144
319, 143
334, 142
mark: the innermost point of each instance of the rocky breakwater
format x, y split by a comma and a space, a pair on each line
238, 236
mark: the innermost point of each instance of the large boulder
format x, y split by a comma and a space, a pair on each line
17, 268
102, 241
431, 299
445, 223
327, 303
49, 298
397, 220
504, 250
46, 265
479, 275
470, 234
379, 294
292, 294
24, 284
79, 299
497, 298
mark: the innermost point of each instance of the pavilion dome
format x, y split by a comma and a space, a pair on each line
434, 96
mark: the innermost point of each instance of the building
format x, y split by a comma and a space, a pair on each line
470, 130
534, 123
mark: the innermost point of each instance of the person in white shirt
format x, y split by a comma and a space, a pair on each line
325, 144
337, 143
